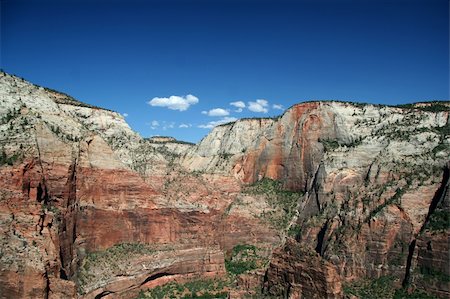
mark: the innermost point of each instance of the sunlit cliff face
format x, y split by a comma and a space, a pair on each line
314, 203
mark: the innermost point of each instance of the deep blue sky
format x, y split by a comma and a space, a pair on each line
121, 54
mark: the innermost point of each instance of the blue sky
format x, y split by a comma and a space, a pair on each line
174, 67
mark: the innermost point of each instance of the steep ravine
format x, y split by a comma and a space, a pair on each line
314, 204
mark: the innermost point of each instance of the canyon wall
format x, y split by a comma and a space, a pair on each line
326, 195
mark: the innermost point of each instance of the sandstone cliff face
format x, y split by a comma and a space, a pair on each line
77, 183
90, 209
371, 175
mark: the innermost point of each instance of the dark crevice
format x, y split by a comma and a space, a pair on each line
42, 194
62, 271
74, 230
47, 283
103, 294
316, 185
288, 291
155, 276
39, 192
41, 222
320, 238
26, 188
67, 226
265, 284
438, 196
411, 249
367, 177
316, 195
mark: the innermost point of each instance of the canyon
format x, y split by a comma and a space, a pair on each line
328, 200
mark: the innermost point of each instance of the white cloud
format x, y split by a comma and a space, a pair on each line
204, 112
259, 105
212, 124
174, 102
239, 105
167, 125
125, 114
217, 112
278, 107
185, 126
154, 124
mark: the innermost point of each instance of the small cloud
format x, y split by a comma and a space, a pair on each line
125, 114
185, 126
154, 124
259, 105
239, 105
278, 107
217, 112
167, 125
180, 103
212, 124
204, 112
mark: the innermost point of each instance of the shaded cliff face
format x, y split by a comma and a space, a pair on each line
306, 205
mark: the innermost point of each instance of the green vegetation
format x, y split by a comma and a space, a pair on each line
51, 208
444, 130
439, 221
382, 287
225, 156
12, 114
57, 131
416, 294
440, 147
283, 202
199, 289
250, 118
356, 104
330, 144
430, 107
294, 230
244, 258
399, 253
395, 199
66, 99
170, 140
430, 274
9, 160
166, 152
108, 259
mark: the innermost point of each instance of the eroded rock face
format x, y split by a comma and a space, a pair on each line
298, 273
370, 175
73, 191
90, 209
